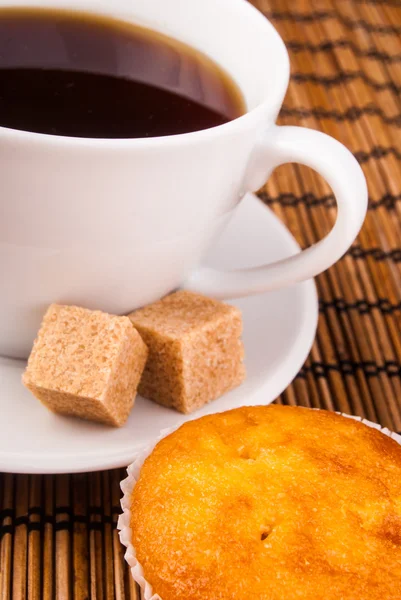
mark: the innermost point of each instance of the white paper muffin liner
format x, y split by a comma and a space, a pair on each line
128, 484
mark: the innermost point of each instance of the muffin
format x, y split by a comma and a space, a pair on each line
270, 503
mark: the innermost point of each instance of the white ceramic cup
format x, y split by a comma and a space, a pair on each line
115, 224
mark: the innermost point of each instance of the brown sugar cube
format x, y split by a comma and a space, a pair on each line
87, 364
195, 350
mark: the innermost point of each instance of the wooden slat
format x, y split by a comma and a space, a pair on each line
63, 539
34, 539
96, 538
6, 540
81, 584
48, 540
20, 545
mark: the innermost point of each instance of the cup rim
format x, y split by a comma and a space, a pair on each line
242, 122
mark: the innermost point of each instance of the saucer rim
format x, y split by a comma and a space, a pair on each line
91, 461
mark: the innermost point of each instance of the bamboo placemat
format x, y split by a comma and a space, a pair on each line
58, 535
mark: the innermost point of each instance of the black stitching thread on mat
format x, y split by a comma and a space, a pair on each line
393, 3
362, 306
376, 253
377, 152
330, 45
323, 15
350, 367
344, 77
7, 513
386, 201
289, 199
370, 27
59, 510
57, 525
352, 114
60, 526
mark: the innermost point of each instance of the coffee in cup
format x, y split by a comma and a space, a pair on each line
78, 74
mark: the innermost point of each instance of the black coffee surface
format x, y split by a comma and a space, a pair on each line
84, 75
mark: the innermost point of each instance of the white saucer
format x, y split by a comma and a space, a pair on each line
279, 329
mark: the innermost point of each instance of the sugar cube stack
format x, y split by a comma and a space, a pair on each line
87, 364
195, 350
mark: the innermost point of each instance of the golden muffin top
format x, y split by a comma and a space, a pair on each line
271, 503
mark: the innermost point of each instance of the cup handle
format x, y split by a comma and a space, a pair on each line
342, 172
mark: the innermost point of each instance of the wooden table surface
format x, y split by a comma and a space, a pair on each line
58, 536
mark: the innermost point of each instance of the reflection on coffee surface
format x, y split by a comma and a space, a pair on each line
85, 75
